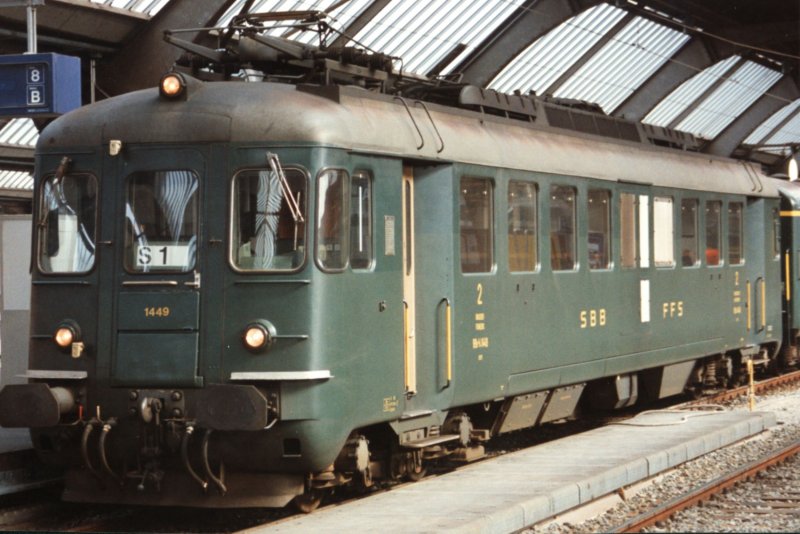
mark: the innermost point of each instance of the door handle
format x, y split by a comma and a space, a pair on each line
196, 283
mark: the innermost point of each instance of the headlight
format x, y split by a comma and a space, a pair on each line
65, 335
258, 336
172, 85
68, 337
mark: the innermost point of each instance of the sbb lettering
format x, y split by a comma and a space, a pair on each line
593, 318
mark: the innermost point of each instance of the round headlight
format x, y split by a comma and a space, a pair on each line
172, 85
258, 336
255, 337
64, 336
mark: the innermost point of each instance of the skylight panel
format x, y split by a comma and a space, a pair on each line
424, 33
148, 7
623, 64
547, 58
16, 180
788, 134
771, 123
19, 132
729, 100
684, 96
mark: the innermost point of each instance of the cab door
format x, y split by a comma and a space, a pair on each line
158, 278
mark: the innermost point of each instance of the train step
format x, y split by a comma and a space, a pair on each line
428, 442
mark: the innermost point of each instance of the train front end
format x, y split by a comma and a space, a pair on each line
173, 359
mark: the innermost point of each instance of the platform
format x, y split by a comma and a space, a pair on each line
522, 488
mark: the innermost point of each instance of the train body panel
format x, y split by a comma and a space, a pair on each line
313, 286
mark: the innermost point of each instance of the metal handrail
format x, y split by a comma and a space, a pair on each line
413, 121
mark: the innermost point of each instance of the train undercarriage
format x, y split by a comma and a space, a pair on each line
158, 457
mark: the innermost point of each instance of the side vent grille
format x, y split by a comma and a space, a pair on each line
494, 103
668, 137
591, 123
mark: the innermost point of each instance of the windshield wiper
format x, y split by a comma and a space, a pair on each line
291, 200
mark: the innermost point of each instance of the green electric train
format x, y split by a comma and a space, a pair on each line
246, 294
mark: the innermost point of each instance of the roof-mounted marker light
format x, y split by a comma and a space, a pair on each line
172, 85
792, 169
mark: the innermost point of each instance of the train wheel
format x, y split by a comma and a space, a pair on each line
308, 501
415, 469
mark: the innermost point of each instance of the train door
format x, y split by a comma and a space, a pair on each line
427, 286
635, 262
157, 271
409, 285
748, 225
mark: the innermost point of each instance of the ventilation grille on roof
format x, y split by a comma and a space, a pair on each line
591, 123
662, 136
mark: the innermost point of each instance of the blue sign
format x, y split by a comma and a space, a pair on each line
39, 85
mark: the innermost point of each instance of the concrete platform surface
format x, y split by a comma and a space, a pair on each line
522, 488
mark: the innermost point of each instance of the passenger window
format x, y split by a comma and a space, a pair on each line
360, 220
522, 227
627, 229
713, 227
66, 228
735, 232
562, 228
162, 213
663, 232
476, 222
599, 229
689, 242
332, 242
267, 234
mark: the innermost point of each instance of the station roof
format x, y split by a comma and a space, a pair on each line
726, 71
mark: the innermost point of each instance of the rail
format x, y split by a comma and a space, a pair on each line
759, 387
665, 511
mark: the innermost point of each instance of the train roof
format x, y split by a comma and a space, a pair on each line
358, 120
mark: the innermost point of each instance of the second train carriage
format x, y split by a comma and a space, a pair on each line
267, 290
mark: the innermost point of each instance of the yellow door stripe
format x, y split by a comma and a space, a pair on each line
788, 278
790, 213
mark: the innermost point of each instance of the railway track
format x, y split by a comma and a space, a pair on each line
759, 387
659, 515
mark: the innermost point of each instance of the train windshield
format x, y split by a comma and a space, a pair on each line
266, 234
161, 209
66, 228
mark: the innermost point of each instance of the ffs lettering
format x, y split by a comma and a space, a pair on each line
672, 309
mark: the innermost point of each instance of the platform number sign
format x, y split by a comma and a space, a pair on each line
35, 86
39, 85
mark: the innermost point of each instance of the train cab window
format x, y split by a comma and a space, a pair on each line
689, 242
713, 231
360, 220
476, 221
161, 209
627, 230
735, 232
562, 228
66, 228
663, 232
268, 229
522, 224
599, 239
332, 238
